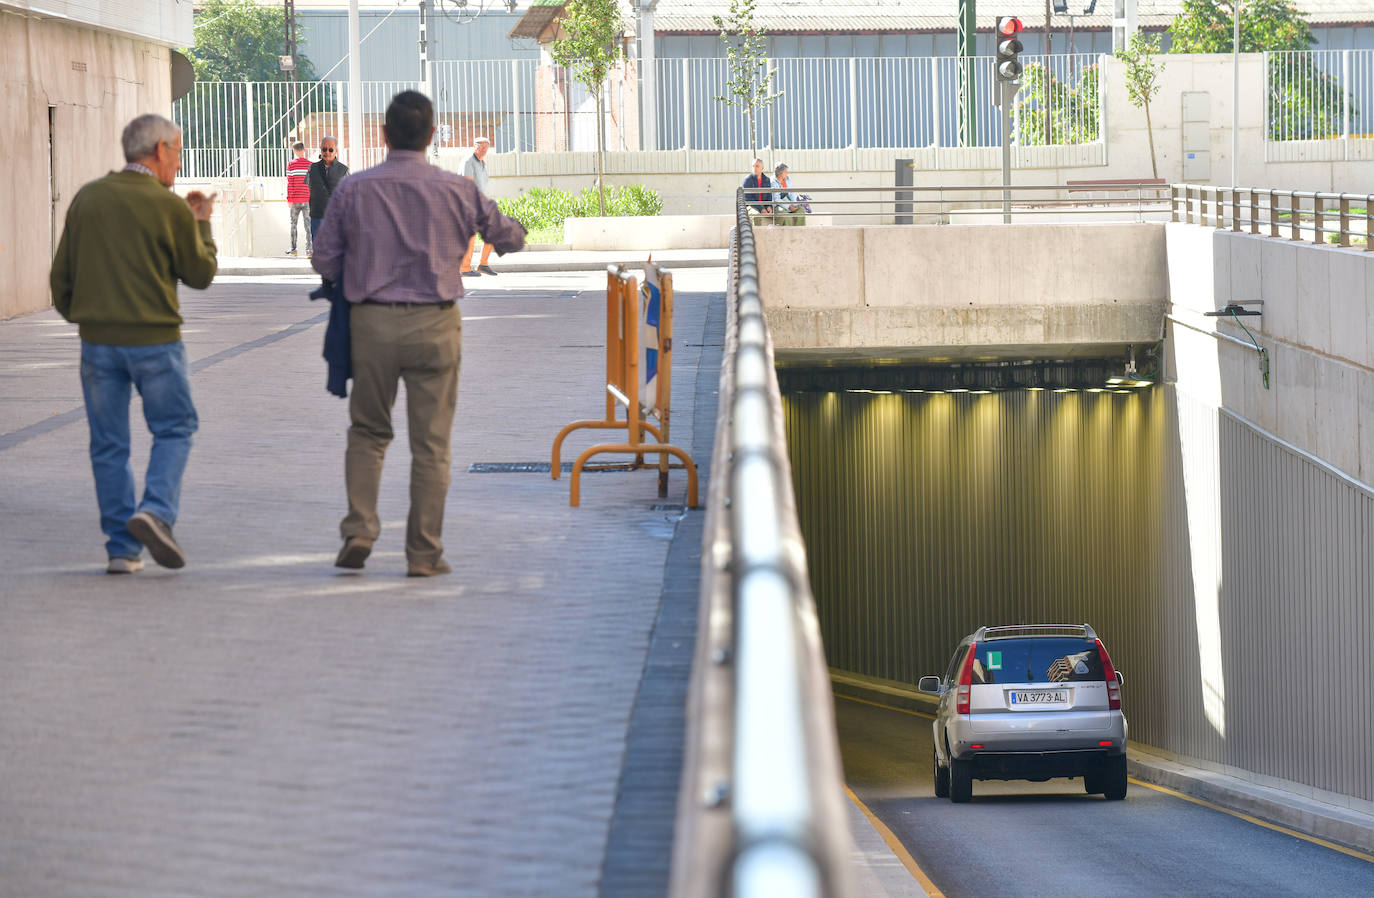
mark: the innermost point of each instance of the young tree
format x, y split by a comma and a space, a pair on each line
589, 45
1304, 102
1142, 81
750, 83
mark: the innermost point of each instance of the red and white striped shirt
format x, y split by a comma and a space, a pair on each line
297, 191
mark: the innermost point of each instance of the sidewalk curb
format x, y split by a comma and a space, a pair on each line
1310, 816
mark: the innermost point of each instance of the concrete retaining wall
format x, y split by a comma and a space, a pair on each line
1317, 325
940, 292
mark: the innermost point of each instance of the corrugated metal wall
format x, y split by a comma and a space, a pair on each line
1230, 577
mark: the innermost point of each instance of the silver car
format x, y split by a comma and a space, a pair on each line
1029, 703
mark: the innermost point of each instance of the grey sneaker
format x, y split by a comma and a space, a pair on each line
124, 565
156, 536
429, 570
354, 552
487, 269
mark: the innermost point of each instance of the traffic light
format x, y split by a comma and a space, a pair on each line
1008, 47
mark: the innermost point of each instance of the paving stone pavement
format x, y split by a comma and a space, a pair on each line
262, 724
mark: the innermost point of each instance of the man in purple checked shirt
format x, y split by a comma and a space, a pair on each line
396, 233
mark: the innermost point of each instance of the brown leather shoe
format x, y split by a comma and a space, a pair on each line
429, 570
354, 552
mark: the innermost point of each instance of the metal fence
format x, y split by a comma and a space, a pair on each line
883, 102
1319, 105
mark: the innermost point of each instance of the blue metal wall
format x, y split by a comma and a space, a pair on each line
392, 53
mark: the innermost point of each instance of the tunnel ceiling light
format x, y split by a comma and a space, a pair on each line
1124, 392
958, 389
1113, 381
1096, 390
1066, 390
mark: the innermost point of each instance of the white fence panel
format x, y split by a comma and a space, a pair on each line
1319, 105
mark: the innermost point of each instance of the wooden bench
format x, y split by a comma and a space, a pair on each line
1111, 188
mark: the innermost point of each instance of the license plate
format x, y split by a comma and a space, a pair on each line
1041, 697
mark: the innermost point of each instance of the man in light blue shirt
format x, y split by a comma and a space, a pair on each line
475, 169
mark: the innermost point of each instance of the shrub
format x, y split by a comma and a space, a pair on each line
544, 207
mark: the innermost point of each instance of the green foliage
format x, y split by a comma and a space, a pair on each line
1207, 26
1304, 102
589, 46
237, 40
1072, 108
1142, 69
751, 82
542, 208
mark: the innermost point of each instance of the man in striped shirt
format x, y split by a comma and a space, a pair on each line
298, 197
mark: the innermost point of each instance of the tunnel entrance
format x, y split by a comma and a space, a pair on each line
937, 499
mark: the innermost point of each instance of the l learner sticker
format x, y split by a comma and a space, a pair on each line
994, 660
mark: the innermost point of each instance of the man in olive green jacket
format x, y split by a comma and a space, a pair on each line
127, 241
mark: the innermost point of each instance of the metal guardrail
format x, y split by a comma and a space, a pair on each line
761, 742
1124, 200
1298, 215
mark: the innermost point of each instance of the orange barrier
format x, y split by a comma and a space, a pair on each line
623, 387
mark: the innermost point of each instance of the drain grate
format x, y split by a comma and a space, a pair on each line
540, 467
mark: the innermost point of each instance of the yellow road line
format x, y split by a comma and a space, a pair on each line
1315, 840
864, 701
894, 843
1258, 822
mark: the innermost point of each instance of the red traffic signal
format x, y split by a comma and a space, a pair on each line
1008, 67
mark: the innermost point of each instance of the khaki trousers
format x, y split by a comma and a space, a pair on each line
421, 345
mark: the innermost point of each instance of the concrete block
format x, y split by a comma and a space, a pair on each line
1189, 253
1336, 415
810, 268
1247, 255
1223, 247
1238, 366
792, 329
1350, 306
1261, 403
1314, 298
649, 232
1365, 389
1295, 379
1279, 289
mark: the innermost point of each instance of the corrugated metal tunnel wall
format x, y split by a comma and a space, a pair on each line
1232, 589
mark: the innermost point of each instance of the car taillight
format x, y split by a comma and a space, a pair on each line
1109, 674
965, 681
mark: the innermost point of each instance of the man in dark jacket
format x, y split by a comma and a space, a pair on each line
760, 204
323, 178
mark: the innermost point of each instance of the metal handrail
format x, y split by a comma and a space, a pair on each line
1246, 210
1132, 199
762, 740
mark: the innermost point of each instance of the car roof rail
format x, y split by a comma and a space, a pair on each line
1013, 631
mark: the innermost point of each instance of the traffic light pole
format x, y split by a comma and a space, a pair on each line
1008, 93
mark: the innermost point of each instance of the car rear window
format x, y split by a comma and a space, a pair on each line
1038, 660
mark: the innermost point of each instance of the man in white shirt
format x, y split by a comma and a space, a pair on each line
476, 169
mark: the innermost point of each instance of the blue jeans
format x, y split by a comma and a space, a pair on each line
315, 226
160, 375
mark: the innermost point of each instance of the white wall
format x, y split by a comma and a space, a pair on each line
88, 84
167, 22
1317, 325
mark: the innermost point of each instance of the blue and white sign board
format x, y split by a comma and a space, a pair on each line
650, 307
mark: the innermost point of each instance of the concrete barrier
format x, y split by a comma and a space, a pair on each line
649, 232
1023, 291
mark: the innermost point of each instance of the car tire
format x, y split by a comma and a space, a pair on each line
1114, 778
1092, 782
960, 780
941, 779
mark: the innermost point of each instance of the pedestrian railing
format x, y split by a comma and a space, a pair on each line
1116, 200
1342, 219
1319, 105
761, 810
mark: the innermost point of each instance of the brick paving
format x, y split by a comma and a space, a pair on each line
262, 724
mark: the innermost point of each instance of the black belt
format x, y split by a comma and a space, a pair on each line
446, 304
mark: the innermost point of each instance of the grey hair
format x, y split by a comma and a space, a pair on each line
142, 135
325, 140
